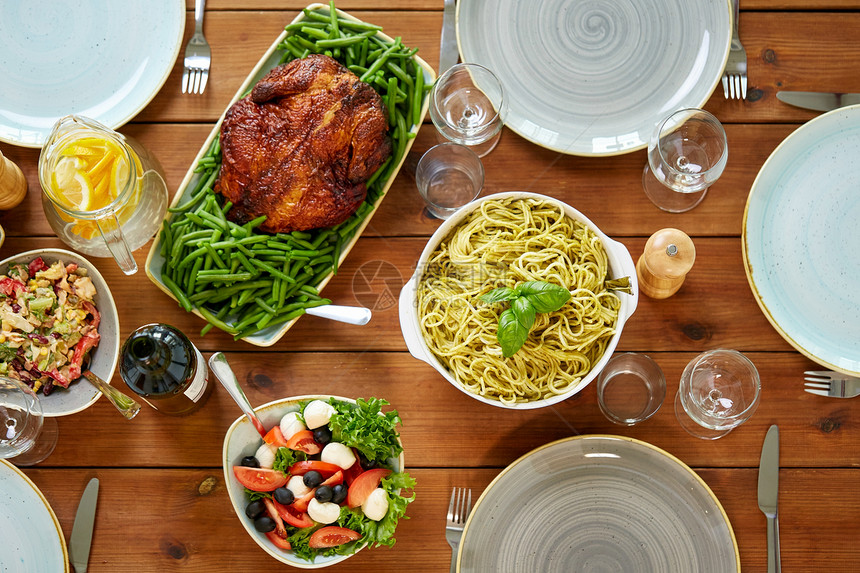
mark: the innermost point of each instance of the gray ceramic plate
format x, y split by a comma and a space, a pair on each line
593, 77
598, 503
81, 394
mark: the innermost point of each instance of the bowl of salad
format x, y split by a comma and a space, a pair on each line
326, 481
57, 319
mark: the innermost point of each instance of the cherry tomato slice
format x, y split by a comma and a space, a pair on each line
272, 512
278, 541
332, 536
292, 516
364, 484
275, 437
334, 479
353, 472
324, 468
259, 479
304, 442
301, 504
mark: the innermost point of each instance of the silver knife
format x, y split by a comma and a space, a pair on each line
819, 101
82, 530
448, 52
768, 488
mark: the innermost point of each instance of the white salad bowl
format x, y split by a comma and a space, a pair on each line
80, 394
620, 265
241, 440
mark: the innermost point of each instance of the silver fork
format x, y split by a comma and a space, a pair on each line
198, 55
735, 74
827, 383
458, 511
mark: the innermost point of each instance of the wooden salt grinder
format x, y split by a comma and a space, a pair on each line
668, 257
13, 184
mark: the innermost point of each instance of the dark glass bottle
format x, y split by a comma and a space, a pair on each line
165, 369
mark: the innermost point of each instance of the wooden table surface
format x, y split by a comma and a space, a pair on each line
163, 505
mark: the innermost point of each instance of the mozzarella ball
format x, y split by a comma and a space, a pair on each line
265, 454
325, 512
338, 454
317, 413
297, 486
376, 505
291, 425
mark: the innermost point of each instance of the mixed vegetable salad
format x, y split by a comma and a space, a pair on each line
48, 323
321, 482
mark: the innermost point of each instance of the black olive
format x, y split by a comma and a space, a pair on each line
366, 464
338, 493
322, 435
255, 509
323, 493
312, 478
264, 524
250, 462
284, 496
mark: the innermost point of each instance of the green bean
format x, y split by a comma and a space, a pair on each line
299, 25
392, 97
262, 304
177, 292
418, 96
314, 33
272, 271
217, 322
375, 67
225, 278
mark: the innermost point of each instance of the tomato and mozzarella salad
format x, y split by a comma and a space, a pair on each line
320, 482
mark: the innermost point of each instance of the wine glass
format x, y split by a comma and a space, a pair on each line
467, 106
719, 390
26, 437
686, 155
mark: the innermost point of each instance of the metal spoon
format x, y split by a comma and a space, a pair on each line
127, 406
357, 315
218, 365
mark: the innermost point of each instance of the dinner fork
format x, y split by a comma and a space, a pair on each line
458, 511
198, 55
735, 74
827, 383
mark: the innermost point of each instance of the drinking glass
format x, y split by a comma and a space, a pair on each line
26, 437
448, 176
686, 155
630, 388
719, 390
467, 106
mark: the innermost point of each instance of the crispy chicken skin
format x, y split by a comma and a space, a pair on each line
301, 146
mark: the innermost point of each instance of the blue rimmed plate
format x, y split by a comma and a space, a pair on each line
801, 239
32, 537
97, 58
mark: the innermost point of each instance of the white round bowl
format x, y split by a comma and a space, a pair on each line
620, 265
243, 440
80, 394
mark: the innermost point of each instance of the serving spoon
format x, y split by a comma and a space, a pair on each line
219, 366
127, 406
357, 315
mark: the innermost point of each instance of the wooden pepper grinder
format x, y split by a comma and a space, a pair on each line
13, 184
668, 257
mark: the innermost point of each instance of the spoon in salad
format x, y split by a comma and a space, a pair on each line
127, 406
219, 366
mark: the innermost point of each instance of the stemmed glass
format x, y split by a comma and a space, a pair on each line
719, 390
467, 106
26, 437
686, 155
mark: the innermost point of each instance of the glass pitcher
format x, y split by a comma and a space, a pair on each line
103, 193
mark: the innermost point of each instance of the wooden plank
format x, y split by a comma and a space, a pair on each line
608, 189
443, 427
715, 307
202, 520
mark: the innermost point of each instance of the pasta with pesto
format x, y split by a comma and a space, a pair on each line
503, 243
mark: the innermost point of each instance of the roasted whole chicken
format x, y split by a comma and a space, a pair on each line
301, 146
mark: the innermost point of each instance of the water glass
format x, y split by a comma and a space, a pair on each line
448, 176
630, 388
687, 154
467, 106
26, 437
719, 390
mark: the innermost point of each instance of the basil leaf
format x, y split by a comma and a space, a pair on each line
545, 297
499, 295
511, 334
524, 311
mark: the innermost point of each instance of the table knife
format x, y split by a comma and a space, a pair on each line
82, 530
819, 101
768, 488
448, 52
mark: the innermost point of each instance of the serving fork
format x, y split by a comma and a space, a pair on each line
458, 511
735, 74
834, 384
198, 55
